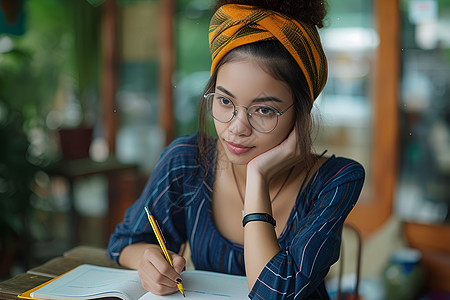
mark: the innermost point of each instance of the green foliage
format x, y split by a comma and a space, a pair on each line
61, 42
192, 22
85, 20
31, 70
16, 176
192, 41
444, 3
14, 76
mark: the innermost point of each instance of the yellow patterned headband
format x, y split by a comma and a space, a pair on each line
235, 25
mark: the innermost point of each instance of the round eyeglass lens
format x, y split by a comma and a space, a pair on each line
220, 108
262, 117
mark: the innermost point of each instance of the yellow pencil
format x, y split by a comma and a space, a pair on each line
160, 239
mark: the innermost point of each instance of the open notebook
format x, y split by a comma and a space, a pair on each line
95, 282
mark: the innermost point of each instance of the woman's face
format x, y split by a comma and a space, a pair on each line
245, 83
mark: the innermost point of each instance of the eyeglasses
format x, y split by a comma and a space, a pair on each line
262, 118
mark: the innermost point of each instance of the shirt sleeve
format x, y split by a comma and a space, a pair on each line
297, 272
163, 194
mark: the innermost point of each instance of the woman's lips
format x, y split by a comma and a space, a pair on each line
237, 148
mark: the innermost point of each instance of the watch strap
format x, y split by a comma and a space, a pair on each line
263, 217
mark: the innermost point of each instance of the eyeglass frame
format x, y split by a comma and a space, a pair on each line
235, 111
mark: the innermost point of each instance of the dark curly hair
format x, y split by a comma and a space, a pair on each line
309, 11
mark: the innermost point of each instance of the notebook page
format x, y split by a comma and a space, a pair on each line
208, 285
93, 282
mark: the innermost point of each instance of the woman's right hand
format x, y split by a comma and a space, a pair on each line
157, 275
278, 159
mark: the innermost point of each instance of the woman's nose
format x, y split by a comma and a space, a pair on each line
239, 125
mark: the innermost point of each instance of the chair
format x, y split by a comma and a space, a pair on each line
358, 262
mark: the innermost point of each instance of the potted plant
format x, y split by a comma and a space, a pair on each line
85, 24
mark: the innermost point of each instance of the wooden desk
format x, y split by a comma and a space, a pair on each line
15, 286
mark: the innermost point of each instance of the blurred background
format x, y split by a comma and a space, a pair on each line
91, 91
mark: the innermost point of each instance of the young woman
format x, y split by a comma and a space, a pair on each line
254, 200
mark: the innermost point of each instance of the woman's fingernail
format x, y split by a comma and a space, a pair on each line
179, 280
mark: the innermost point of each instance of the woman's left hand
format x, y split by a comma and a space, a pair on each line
278, 159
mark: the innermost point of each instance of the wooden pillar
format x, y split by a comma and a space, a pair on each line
109, 72
167, 54
368, 216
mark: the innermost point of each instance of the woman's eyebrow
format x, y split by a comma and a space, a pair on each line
267, 99
224, 90
256, 100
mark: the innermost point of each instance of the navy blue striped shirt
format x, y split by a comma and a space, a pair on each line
179, 195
